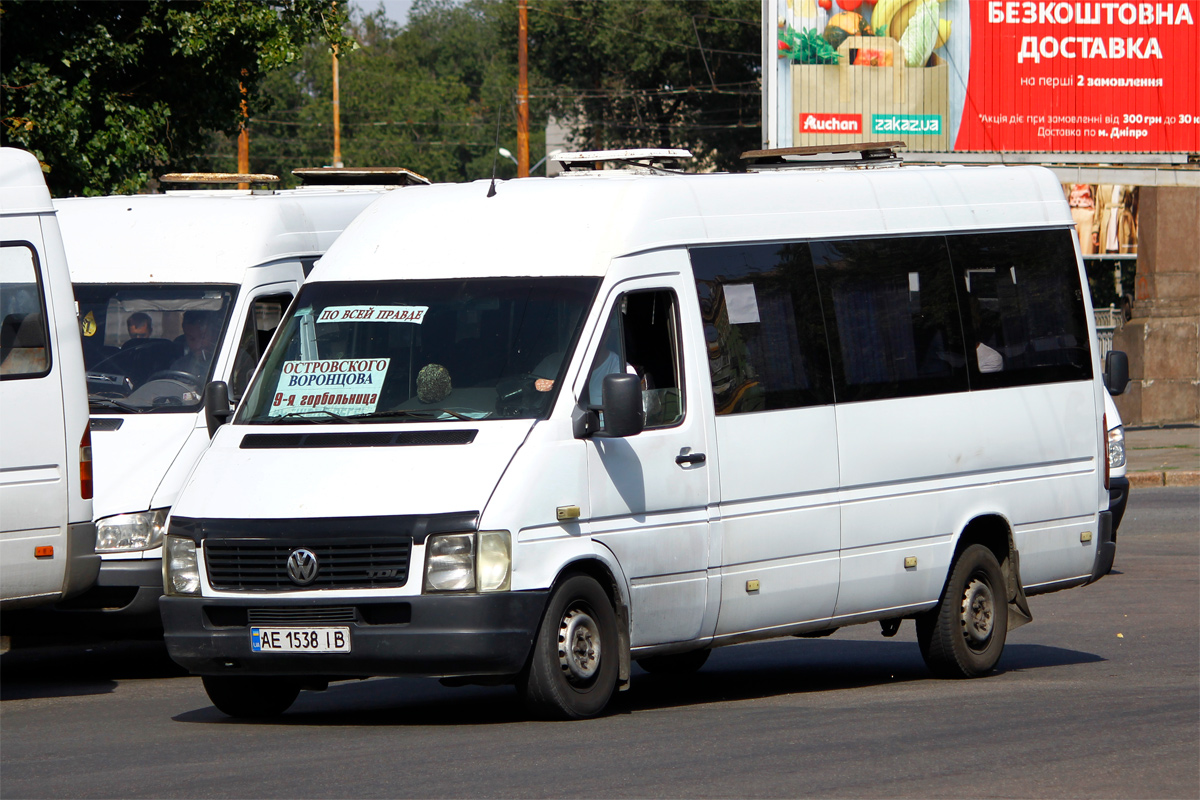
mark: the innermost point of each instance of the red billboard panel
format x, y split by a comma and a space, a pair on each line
1078, 77
993, 75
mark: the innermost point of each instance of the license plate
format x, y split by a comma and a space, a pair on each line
300, 640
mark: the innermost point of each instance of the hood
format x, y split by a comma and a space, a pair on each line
129, 463
288, 472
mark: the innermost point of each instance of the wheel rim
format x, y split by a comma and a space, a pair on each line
978, 613
578, 645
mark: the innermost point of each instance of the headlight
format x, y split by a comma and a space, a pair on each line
181, 571
124, 532
450, 562
468, 562
1116, 447
495, 561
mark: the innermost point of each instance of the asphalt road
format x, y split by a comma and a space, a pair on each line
1098, 697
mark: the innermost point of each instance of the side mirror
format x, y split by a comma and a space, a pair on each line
1116, 372
623, 415
216, 406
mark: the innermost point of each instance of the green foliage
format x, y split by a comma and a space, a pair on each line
674, 73
106, 94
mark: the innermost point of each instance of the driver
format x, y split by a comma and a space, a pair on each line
201, 330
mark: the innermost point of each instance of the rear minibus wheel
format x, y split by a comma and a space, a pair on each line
573, 669
675, 663
964, 636
251, 696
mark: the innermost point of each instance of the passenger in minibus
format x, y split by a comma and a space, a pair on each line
200, 332
139, 325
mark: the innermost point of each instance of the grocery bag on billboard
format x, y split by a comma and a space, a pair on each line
871, 96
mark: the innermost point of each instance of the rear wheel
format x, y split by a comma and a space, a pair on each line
675, 663
573, 669
251, 696
964, 636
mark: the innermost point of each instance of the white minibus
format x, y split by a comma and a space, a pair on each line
535, 431
174, 290
46, 535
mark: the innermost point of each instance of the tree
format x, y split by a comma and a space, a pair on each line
683, 73
427, 97
106, 94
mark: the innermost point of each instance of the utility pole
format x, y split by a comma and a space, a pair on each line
337, 113
243, 166
523, 90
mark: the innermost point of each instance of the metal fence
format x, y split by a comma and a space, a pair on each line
1108, 321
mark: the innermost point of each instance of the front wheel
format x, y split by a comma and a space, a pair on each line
251, 696
964, 635
573, 669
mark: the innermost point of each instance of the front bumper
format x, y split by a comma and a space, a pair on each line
429, 635
1118, 496
83, 562
129, 589
1106, 547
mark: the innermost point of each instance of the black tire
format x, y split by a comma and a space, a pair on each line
572, 671
251, 696
963, 637
675, 663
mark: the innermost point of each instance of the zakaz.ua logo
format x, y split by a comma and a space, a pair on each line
906, 123
831, 123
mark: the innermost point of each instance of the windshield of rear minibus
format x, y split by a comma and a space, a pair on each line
418, 351
150, 348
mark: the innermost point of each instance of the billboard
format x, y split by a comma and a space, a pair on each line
985, 75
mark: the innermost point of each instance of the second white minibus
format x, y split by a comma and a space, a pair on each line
176, 289
532, 433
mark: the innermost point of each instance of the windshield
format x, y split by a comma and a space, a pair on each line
150, 347
421, 350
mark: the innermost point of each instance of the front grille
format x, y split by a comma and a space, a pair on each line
307, 616
261, 564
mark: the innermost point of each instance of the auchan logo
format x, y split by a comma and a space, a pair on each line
831, 123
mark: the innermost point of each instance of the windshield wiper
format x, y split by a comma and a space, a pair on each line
304, 416
422, 413
105, 402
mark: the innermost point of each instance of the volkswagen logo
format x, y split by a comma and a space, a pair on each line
302, 567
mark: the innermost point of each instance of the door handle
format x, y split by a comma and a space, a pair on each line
690, 458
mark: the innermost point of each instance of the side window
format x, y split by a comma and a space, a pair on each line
763, 326
892, 315
1022, 308
24, 343
261, 322
642, 337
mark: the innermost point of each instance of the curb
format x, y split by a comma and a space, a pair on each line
1139, 480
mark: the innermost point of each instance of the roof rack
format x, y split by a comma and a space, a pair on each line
851, 154
642, 159
360, 176
218, 177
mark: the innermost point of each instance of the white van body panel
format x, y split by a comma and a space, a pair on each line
44, 417
585, 222
422, 480
138, 454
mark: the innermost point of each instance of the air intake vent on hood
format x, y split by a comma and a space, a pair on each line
273, 441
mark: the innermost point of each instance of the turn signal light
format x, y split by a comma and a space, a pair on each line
45, 551
85, 464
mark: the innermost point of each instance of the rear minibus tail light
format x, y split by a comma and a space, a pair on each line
1104, 439
85, 464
